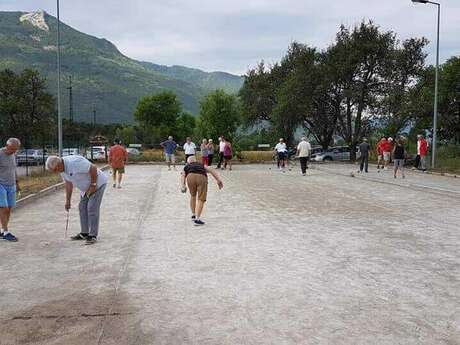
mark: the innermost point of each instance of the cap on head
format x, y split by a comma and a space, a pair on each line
365, 140
390, 139
170, 137
304, 138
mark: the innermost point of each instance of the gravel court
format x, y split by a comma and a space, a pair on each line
289, 260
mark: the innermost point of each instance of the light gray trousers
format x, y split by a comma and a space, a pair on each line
89, 212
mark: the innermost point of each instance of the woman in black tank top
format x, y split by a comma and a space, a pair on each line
399, 156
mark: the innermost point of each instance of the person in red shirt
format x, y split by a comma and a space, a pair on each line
379, 149
423, 151
118, 158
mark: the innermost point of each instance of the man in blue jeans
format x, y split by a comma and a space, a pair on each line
8, 186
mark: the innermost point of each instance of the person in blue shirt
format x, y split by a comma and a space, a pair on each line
169, 147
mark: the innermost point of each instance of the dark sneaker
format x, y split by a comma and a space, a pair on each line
90, 240
1, 236
79, 237
193, 218
10, 237
198, 222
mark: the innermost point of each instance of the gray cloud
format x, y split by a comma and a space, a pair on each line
232, 36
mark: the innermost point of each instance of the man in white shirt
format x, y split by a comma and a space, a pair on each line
221, 151
303, 152
79, 172
189, 148
281, 152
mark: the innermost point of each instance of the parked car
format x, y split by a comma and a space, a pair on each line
338, 153
133, 152
70, 152
98, 153
31, 157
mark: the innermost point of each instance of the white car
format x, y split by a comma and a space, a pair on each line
98, 153
70, 152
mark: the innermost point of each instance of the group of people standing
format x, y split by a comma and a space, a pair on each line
389, 150
207, 149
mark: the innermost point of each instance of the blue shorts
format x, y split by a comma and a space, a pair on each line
7, 196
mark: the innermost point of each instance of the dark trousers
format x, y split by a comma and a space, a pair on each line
364, 163
210, 157
417, 161
303, 164
221, 160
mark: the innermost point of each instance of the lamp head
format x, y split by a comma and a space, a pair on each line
420, 1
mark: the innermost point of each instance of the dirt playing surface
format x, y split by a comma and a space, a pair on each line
282, 259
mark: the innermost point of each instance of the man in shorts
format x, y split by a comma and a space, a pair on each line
118, 158
281, 153
169, 147
8, 186
379, 150
196, 176
387, 147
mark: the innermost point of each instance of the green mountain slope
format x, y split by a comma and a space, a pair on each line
102, 77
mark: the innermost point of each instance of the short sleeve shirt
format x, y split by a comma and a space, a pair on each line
76, 171
189, 148
280, 147
169, 146
7, 169
304, 149
195, 168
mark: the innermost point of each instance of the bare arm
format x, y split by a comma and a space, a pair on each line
68, 194
216, 177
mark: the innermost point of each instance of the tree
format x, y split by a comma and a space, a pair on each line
220, 114
185, 126
449, 100
158, 114
359, 58
27, 110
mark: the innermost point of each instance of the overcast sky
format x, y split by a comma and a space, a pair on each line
234, 35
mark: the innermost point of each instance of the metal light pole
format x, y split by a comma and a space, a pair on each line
59, 82
435, 111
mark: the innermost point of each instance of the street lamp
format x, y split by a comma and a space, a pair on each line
435, 115
59, 83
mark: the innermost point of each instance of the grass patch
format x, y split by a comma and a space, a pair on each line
154, 156
256, 156
37, 181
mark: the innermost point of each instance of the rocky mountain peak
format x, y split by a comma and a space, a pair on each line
36, 18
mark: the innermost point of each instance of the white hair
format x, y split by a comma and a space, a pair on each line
191, 159
52, 162
170, 137
13, 141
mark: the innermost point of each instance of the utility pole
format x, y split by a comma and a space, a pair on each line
70, 100
59, 82
94, 116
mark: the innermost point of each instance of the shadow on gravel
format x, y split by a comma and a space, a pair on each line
78, 319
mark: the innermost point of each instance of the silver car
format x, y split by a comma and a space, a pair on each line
338, 153
31, 157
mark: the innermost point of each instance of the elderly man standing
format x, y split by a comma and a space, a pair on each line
303, 152
8, 186
79, 172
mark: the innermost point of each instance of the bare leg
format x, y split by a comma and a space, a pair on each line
120, 176
193, 204
5, 217
114, 176
199, 208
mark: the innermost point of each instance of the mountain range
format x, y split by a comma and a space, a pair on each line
103, 79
